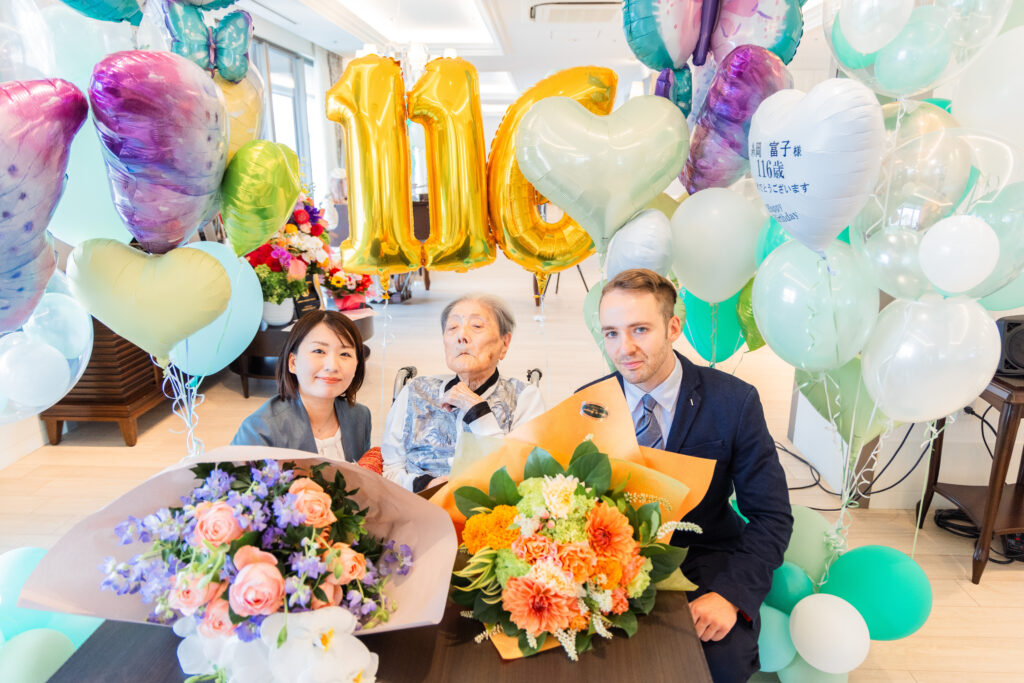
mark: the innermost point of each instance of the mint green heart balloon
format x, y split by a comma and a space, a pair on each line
856, 417
808, 545
601, 170
774, 645
590, 316
259, 191
713, 330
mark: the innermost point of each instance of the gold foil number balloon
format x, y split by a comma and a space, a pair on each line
368, 101
519, 228
446, 100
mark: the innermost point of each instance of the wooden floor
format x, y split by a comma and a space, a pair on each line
975, 633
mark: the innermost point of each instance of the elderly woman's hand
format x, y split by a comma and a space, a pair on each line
460, 397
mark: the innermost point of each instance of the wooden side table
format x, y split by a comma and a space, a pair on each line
999, 507
119, 384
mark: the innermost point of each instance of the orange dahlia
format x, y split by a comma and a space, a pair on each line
610, 568
632, 566
577, 558
533, 548
579, 622
609, 532
620, 603
536, 608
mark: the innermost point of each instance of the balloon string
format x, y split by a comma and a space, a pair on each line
183, 390
542, 319
835, 538
931, 433
714, 334
384, 350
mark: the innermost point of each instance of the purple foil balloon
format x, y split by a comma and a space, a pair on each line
164, 132
708, 20
663, 88
38, 119
718, 145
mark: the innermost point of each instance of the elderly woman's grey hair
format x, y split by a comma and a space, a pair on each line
502, 314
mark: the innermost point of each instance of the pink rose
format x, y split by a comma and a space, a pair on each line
250, 554
349, 563
297, 270
187, 595
258, 589
216, 524
333, 596
216, 621
313, 503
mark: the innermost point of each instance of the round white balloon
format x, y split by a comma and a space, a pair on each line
714, 237
958, 253
829, 633
929, 358
644, 242
815, 158
870, 25
32, 373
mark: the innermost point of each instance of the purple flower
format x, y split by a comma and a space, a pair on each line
268, 475
285, 512
405, 560
249, 630
352, 600
298, 591
368, 607
228, 570
282, 255
311, 567
131, 530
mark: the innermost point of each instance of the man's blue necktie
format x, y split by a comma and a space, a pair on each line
648, 427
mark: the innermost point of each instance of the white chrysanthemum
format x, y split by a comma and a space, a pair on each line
547, 573
558, 491
603, 599
527, 525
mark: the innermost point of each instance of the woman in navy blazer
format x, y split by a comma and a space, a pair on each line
320, 369
717, 416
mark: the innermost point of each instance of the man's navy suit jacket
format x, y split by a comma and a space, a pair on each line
720, 417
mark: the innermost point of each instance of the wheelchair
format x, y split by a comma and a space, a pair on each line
405, 374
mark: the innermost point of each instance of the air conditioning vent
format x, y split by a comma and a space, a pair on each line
576, 12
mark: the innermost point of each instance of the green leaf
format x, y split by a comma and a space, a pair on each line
509, 626
282, 635
484, 611
584, 448
319, 594
235, 618
625, 621
594, 469
620, 487
468, 498
664, 558
583, 642
525, 648
248, 538
502, 489
645, 603
464, 598
541, 464
651, 515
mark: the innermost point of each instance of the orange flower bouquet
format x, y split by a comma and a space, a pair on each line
564, 546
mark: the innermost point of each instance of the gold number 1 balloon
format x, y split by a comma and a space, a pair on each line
446, 100
522, 233
369, 103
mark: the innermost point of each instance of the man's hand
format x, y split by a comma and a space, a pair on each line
713, 616
460, 397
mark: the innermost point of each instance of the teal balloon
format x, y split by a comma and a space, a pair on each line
808, 546
771, 237
941, 103
774, 645
790, 585
34, 656
211, 349
736, 507
85, 210
713, 330
1010, 296
799, 671
640, 24
916, 57
1004, 213
844, 236
15, 567
682, 90
846, 54
109, 10
888, 588
76, 627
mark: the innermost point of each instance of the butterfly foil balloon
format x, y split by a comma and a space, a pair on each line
223, 50
39, 120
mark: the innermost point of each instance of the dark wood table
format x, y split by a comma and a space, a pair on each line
665, 648
999, 507
259, 360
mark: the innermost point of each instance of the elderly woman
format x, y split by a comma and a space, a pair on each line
429, 415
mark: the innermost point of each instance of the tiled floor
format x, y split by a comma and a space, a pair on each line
975, 633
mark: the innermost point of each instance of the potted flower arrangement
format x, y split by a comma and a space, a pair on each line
348, 289
287, 264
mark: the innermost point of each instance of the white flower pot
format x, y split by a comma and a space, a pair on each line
279, 314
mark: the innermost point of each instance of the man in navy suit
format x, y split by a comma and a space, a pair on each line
685, 408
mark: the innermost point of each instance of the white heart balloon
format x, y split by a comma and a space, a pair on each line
644, 242
926, 359
601, 170
958, 253
714, 237
815, 157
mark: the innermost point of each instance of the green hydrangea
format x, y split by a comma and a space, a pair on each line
507, 565
532, 503
641, 581
569, 530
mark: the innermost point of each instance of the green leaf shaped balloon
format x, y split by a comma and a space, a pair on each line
259, 191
